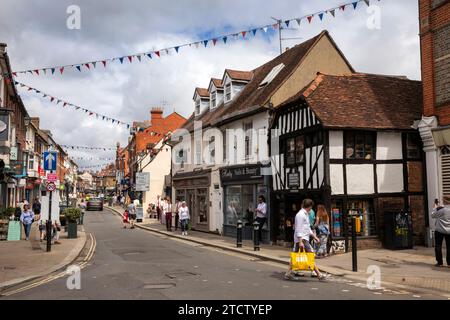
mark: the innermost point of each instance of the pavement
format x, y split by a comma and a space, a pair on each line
400, 269
139, 265
23, 261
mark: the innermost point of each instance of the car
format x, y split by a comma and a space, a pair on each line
95, 204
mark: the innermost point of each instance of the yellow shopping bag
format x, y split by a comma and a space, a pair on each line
302, 260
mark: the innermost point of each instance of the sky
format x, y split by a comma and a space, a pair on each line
37, 36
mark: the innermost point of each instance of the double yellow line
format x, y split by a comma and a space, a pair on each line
48, 279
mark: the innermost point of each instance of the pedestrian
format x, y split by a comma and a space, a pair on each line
132, 214
322, 226
36, 206
261, 215
27, 218
184, 218
177, 213
168, 213
56, 231
302, 234
125, 219
442, 230
158, 207
42, 228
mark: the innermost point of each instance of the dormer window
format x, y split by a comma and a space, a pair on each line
272, 74
228, 92
197, 107
213, 99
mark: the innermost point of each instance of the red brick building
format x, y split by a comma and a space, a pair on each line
434, 20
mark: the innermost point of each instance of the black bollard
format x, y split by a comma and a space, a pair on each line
354, 255
239, 234
256, 236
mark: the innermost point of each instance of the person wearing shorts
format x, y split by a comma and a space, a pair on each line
132, 214
302, 235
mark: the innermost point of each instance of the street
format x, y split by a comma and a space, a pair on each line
136, 264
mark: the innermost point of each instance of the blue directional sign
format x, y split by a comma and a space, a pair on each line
50, 161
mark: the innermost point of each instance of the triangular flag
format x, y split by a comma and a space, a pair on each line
287, 23
94, 64
321, 16
45, 96
265, 29
104, 63
53, 70
225, 39
149, 55
91, 113
51, 99
79, 68
14, 74
65, 103
310, 18
167, 51
45, 71
37, 72
298, 21
139, 57
342, 7
61, 70
355, 4
130, 58
205, 43
254, 32
214, 41
157, 53
29, 88
367, 2
121, 60
333, 12
87, 66
275, 26
177, 48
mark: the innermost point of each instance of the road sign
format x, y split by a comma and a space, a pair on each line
50, 161
51, 187
52, 177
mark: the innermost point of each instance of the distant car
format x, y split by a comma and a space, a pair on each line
95, 204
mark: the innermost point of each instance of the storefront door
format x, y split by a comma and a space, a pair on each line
190, 201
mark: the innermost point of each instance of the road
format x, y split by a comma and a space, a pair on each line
137, 264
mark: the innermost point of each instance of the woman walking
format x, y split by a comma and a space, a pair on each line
27, 218
183, 212
322, 226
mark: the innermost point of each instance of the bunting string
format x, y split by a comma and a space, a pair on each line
151, 55
65, 104
65, 146
92, 158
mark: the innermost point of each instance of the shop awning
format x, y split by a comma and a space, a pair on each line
441, 136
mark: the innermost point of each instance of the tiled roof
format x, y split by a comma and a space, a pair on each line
252, 96
240, 75
202, 92
217, 83
363, 101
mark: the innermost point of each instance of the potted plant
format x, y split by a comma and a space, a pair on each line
72, 215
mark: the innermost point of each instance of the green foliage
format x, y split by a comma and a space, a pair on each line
72, 214
5, 214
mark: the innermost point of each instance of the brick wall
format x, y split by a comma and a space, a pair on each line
387, 204
432, 20
415, 181
441, 55
416, 203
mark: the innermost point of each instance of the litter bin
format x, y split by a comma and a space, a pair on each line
398, 231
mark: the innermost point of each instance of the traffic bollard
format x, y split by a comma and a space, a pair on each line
239, 234
256, 236
354, 255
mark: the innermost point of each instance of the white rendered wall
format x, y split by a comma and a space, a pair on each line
389, 146
390, 177
337, 178
336, 142
360, 179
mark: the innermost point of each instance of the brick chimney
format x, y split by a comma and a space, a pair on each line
35, 121
156, 116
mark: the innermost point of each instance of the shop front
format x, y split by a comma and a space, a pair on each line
193, 187
242, 186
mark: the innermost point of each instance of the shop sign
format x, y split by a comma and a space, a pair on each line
52, 177
294, 180
142, 181
13, 154
240, 173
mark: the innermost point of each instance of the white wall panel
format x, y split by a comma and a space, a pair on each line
389, 146
390, 178
337, 178
360, 179
336, 139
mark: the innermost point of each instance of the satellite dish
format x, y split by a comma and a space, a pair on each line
3, 126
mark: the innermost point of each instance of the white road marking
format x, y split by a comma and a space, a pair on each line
345, 290
416, 296
314, 289
377, 293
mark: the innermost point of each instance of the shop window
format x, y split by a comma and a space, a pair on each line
360, 145
362, 209
413, 146
295, 150
337, 218
247, 204
233, 205
202, 200
248, 139
290, 151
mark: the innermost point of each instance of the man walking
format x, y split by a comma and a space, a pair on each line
302, 234
261, 215
132, 214
442, 230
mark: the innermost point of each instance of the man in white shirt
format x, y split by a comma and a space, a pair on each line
302, 235
261, 215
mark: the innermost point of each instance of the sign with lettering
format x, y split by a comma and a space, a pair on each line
294, 180
52, 177
142, 181
14, 231
240, 173
13, 154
